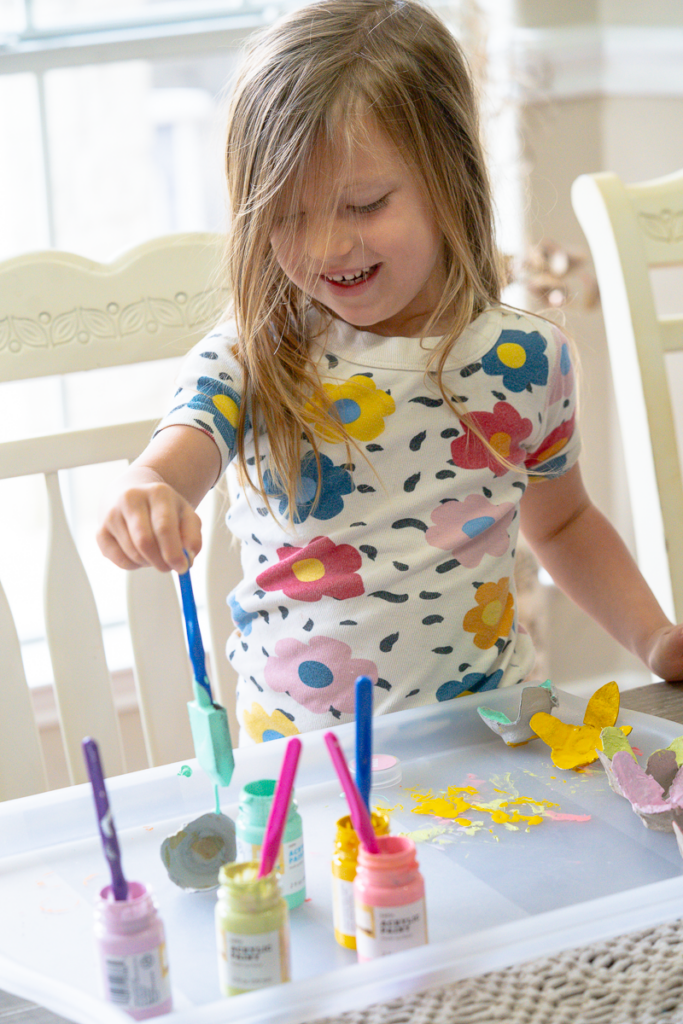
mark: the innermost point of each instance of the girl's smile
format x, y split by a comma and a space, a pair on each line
376, 259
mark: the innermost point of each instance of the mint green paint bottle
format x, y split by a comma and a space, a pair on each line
255, 801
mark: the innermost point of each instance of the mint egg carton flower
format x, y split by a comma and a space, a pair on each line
655, 791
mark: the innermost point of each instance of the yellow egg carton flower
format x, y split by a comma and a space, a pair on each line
573, 746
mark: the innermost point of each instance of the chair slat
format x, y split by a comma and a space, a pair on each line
22, 771
71, 448
162, 669
671, 332
82, 682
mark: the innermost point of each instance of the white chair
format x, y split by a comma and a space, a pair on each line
631, 229
62, 314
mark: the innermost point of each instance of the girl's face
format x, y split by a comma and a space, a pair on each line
376, 259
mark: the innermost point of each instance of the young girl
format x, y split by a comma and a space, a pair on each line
387, 423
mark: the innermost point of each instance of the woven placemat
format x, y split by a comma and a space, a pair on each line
632, 979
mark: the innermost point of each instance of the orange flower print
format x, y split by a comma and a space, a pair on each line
360, 405
493, 615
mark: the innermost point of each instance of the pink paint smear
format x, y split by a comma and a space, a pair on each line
559, 816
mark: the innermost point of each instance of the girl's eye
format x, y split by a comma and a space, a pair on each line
371, 207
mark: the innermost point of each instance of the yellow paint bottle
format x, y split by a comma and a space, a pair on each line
344, 862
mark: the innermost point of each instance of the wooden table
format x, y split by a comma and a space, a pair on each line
665, 700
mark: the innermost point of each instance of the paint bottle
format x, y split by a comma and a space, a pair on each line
385, 773
252, 930
255, 801
344, 864
389, 899
132, 944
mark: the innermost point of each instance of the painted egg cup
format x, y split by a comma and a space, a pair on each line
533, 699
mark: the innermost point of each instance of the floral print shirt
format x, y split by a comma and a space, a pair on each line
403, 571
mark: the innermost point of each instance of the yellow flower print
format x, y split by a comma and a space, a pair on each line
262, 727
360, 405
493, 615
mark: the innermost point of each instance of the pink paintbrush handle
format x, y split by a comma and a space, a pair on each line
360, 816
278, 812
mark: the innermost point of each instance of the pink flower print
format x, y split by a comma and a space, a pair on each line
562, 383
319, 675
471, 528
321, 569
504, 429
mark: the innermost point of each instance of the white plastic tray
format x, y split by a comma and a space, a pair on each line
494, 898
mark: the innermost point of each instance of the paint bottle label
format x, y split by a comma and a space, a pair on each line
249, 962
384, 930
138, 981
343, 908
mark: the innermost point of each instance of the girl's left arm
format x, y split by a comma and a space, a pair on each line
587, 558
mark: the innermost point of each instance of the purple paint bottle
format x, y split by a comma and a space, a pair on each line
132, 943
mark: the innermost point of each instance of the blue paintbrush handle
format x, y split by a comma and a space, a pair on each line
364, 738
194, 636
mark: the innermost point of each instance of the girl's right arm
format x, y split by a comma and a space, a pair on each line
148, 515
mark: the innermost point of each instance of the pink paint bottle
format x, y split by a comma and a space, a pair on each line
389, 897
132, 944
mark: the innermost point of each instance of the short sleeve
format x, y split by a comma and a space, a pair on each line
209, 393
560, 442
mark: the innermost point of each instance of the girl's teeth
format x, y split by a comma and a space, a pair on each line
345, 278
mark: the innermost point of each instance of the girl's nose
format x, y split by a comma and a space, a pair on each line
330, 240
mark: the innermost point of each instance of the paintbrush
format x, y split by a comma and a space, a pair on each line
278, 811
364, 737
110, 842
208, 721
360, 815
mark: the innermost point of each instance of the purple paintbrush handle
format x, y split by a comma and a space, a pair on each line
105, 821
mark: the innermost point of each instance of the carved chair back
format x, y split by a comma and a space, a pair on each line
61, 314
633, 230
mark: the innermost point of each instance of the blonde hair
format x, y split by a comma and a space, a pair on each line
307, 82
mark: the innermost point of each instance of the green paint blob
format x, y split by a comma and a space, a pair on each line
494, 716
614, 740
218, 801
186, 771
677, 747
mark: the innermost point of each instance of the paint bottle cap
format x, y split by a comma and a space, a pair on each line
385, 771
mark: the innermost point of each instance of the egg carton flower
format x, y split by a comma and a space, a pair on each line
334, 482
562, 385
493, 615
503, 428
240, 617
473, 682
319, 674
360, 405
321, 569
262, 727
222, 403
548, 461
471, 528
519, 358
655, 791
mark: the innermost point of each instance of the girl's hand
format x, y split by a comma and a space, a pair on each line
149, 517
665, 657
150, 524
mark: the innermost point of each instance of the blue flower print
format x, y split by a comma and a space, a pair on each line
473, 682
240, 617
519, 357
336, 481
222, 403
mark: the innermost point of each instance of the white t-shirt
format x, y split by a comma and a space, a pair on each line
404, 570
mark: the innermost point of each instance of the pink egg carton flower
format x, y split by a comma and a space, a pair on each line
655, 791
